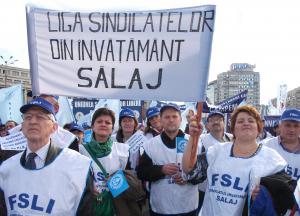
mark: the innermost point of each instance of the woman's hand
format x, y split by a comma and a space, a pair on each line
195, 128
255, 192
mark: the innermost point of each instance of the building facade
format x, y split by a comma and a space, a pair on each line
240, 77
211, 92
10, 76
292, 100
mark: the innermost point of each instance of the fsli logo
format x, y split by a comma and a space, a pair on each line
116, 181
180, 144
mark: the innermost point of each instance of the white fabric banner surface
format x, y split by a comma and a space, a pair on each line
161, 55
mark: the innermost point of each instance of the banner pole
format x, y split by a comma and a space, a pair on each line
193, 157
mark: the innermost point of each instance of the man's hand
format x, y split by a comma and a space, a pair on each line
170, 169
178, 179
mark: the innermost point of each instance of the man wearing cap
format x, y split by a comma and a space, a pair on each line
216, 127
264, 134
287, 144
45, 179
160, 165
154, 127
62, 137
78, 131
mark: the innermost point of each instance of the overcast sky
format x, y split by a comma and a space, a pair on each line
264, 33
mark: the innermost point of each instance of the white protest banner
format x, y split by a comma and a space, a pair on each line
136, 141
16, 141
161, 55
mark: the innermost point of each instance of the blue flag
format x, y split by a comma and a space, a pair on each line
87, 136
228, 105
11, 99
117, 184
180, 144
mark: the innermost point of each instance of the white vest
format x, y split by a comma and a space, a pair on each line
55, 189
208, 140
117, 159
167, 197
293, 159
228, 178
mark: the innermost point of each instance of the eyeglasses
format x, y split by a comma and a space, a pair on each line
219, 120
38, 116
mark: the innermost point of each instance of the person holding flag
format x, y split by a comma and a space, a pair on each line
229, 166
170, 194
215, 123
108, 157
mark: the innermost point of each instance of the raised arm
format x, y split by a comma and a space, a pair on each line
190, 153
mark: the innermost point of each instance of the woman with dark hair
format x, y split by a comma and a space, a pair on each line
228, 167
153, 127
111, 155
128, 125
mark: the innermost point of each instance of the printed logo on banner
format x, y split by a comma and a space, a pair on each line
83, 106
117, 184
180, 144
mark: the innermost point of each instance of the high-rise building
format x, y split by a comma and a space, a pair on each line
239, 78
211, 92
10, 76
292, 100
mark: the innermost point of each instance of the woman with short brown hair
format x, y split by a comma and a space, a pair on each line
229, 166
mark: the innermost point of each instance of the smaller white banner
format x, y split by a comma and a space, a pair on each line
16, 141
135, 141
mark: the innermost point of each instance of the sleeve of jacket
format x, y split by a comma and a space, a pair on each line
146, 171
88, 198
3, 210
74, 145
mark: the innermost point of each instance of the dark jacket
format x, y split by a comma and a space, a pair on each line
146, 170
85, 205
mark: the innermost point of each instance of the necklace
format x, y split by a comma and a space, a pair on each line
236, 152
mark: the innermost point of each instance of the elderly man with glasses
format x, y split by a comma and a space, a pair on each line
45, 179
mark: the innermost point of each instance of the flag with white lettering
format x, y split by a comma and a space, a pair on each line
121, 54
228, 105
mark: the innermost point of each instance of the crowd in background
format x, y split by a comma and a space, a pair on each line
210, 177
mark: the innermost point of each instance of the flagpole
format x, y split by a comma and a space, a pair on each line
193, 157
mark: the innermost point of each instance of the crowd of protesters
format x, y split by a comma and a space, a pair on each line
61, 172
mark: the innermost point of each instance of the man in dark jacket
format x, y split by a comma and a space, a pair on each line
160, 165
